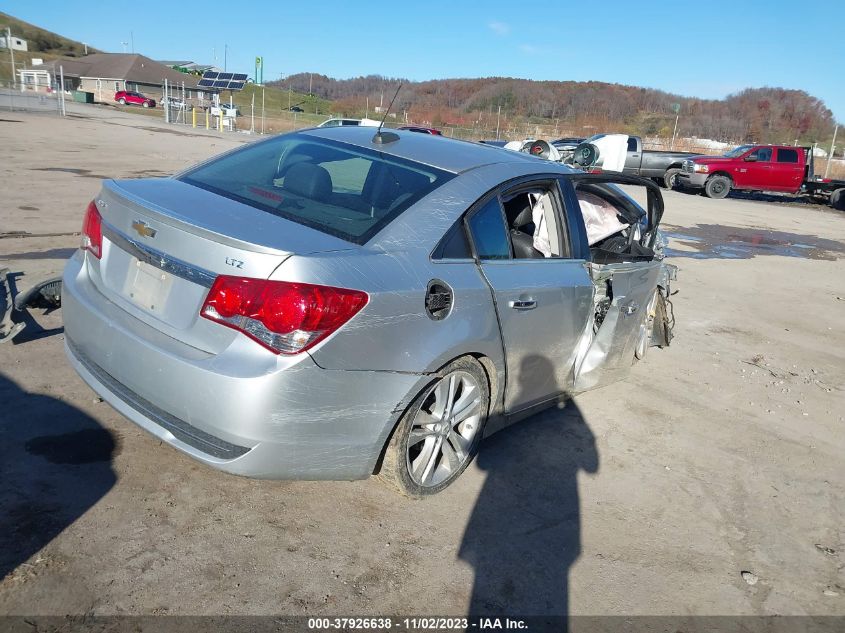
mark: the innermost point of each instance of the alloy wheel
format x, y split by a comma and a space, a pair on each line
444, 429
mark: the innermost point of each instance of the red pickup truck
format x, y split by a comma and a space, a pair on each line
780, 168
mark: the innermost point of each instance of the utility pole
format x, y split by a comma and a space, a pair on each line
675, 131
310, 76
225, 56
12, 53
62, 89
498, 116
125, 44
132, 39
289, 93
830, 156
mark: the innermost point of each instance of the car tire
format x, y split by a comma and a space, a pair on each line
122, 101
432, 443
837, 199
669, 177
717, 187
146, 104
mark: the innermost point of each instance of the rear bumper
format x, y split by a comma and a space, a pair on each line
245, 410
694, 180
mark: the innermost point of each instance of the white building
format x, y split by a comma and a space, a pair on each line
35, 79
17, 43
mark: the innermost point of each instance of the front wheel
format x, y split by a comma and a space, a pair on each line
146, 104
438, 436
717, 187
669, 178
122, 101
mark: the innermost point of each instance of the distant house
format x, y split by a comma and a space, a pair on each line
17, 44
107, 73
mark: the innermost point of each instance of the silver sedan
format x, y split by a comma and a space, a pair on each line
339, 302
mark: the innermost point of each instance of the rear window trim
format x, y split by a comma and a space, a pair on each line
443, 176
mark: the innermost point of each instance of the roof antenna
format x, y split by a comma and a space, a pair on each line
387, 137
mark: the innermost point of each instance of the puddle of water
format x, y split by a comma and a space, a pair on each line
714, 241
81, 447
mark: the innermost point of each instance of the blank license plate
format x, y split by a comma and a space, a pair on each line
148, 286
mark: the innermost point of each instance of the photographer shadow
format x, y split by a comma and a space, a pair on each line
55, 464
524, 533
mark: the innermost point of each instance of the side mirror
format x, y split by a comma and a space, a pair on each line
751, 158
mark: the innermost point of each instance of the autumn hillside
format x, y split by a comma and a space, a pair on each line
762, 114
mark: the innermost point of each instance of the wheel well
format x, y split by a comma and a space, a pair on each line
674, 166
492, 384
721, 173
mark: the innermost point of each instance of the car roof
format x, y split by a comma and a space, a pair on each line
442, 152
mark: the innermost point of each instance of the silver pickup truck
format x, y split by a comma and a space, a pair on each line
660, 166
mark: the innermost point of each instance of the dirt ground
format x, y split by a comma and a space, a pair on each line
722, 454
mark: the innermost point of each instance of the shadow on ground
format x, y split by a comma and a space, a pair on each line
525, 530
55, 464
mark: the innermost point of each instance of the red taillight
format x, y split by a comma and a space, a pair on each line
285, 317
92, 231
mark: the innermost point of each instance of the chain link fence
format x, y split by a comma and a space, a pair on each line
13, 99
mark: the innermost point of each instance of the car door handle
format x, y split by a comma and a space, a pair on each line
523, 305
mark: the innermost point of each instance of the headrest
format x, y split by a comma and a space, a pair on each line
309, 180
525, 217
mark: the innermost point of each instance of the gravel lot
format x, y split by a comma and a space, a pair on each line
723, 454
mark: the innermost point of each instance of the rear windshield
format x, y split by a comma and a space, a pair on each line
336, 188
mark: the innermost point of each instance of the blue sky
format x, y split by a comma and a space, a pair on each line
707, 48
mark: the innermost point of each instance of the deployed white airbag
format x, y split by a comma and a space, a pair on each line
613, 149
600, 217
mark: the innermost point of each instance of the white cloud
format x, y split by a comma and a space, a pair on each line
500, 28
529, 49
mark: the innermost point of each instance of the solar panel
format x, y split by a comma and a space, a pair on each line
222, 81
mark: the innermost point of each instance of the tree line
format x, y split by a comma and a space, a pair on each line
764, 115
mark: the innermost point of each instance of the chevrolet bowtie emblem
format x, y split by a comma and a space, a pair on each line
143, 229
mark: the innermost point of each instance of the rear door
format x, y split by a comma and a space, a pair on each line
624, 290
542, 296
787, 169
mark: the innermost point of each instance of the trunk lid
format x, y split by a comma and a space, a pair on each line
165, 241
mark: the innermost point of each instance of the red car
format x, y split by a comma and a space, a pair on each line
423, 130
133, 98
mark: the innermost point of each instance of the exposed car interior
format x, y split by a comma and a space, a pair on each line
533, 224
615, 224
